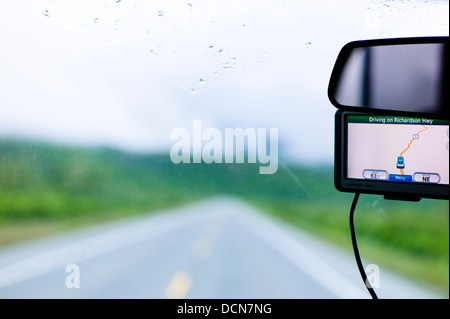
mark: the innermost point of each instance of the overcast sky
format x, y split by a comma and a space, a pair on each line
125, 73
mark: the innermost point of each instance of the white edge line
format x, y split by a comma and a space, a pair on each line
85, 249
304, 259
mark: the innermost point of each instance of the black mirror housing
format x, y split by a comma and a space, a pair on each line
399, 76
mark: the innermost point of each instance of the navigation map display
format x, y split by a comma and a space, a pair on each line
397, 149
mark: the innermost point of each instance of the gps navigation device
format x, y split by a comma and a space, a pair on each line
397, 156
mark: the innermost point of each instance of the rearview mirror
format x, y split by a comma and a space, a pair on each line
395, 75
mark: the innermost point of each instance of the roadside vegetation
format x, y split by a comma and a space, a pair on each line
47, 188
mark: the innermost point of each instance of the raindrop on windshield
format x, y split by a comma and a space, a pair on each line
308, 44
160, 13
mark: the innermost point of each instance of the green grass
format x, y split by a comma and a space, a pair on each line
46, 189
410, 238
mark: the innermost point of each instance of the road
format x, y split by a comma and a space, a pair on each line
220, 248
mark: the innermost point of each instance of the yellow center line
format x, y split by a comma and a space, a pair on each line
179, 285
181, 282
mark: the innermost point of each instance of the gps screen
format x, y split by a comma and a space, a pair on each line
398, 149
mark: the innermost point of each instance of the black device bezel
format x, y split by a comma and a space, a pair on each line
389, 189
349, 47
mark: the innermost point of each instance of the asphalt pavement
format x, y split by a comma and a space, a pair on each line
219, 248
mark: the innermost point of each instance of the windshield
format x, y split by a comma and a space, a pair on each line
185, 149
